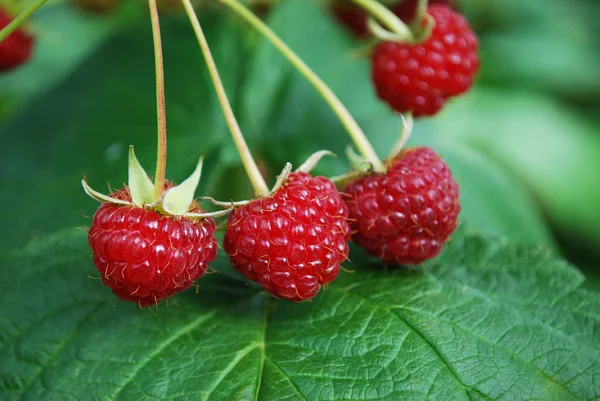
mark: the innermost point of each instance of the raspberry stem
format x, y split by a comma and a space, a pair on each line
258, 183
375, 9
356, 133
19, 19
161, 154
420, 12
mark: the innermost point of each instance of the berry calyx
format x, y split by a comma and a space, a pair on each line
293, 241
16, 48
405, 216
420, 78
145, 256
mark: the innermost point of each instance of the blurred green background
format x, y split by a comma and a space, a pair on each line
524, 145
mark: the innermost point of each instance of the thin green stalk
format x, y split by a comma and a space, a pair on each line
19, 19
357, 135
385, 16
161, 154
419, 14
258, 183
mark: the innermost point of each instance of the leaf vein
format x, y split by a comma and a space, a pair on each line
289, 380
497, 346
55, 355
240, 355
263, 351
177, 335
423, 338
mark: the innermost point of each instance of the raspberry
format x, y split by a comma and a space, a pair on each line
354, 18
420, 78
405, 215
16, 48
292, 242
144, 256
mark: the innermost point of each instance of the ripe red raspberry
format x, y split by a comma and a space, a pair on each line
354, 17
420, 78
145, 257
405, 215
292, 242
16, 48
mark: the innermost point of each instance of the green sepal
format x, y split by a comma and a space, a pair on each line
358, 161
313, 160
100, 197
178, 200
341, 180
287, 169
219, 213
140, 186
226, 204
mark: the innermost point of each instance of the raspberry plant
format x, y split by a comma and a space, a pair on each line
488, 319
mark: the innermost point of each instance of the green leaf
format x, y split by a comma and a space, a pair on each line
487, 321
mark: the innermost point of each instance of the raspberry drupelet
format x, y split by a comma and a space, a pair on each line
292, 242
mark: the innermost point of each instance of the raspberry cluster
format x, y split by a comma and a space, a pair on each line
293, 239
